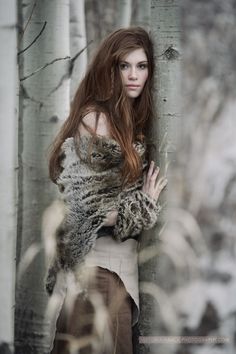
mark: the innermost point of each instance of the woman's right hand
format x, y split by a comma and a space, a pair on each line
153, 186
111, 218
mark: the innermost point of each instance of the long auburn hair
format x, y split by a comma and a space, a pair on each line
101, 90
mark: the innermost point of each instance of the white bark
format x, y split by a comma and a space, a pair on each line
44, 105
8, 74
78, 42
124, 13
156, 312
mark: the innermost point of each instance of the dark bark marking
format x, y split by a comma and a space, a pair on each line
171, 54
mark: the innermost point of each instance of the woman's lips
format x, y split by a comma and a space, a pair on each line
133, 86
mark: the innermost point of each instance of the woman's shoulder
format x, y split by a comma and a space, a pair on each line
94, 122
94, 135
92, 144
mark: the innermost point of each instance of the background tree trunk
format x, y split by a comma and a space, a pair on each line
101, 17
8, 131
78, 41
44, 105
124, 13
157, 314
141, 13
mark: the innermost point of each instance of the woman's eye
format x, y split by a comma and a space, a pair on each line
143, 66
123, 66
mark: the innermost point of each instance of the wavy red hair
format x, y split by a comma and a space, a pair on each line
101, 90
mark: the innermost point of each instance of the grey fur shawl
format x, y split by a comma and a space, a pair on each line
90, 185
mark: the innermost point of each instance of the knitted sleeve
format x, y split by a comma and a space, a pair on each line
136, 212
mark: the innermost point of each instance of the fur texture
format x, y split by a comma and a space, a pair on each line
90, 184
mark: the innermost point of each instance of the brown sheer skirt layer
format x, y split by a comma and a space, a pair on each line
100, 323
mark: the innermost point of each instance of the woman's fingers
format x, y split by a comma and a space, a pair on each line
111, 218
161, 183
152, 185
149, 178
150, 170
145, 178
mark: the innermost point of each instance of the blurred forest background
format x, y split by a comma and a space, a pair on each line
188, 263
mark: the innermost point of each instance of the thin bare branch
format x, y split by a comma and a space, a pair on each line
75, 57
35, 39
71, 67
64, 77
26, 95
23, 31
43, 67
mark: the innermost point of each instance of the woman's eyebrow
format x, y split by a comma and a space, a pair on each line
140, 62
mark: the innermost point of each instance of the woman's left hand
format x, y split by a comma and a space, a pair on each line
153, 186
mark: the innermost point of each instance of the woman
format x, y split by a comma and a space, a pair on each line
99, 162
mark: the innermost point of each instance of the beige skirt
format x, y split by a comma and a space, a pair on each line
122, 259
117, 259
98, 322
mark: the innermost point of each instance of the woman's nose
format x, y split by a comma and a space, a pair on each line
133, 73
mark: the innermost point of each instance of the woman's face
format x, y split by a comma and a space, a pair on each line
134, 72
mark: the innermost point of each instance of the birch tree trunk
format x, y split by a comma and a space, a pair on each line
157, 314
78, 42
101, 17
44, 105
8, 129
124, 13
141, 13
